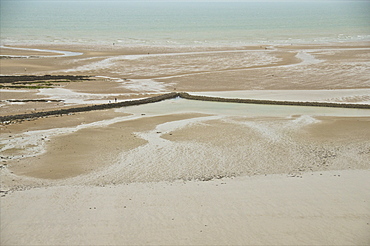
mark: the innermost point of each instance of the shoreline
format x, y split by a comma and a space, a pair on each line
252, 45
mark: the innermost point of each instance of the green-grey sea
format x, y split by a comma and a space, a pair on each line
183, 23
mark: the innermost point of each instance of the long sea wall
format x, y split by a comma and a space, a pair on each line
271, 102
172, 95
89, 108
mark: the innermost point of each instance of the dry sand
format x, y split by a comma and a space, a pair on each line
184, 172
326, 208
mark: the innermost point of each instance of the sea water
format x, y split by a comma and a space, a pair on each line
183, 23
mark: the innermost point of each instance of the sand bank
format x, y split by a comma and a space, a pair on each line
274, 67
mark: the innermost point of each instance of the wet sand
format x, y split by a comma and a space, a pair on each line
185, 172
124, 73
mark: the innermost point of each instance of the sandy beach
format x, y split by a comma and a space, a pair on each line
184, 172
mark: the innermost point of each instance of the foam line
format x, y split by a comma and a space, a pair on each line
63, 53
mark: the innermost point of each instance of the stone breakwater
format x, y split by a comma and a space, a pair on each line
271, 102
184, 95
88, 108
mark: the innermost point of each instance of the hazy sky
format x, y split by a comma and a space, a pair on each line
185, 0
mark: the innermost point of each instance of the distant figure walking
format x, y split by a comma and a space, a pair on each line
115, 99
